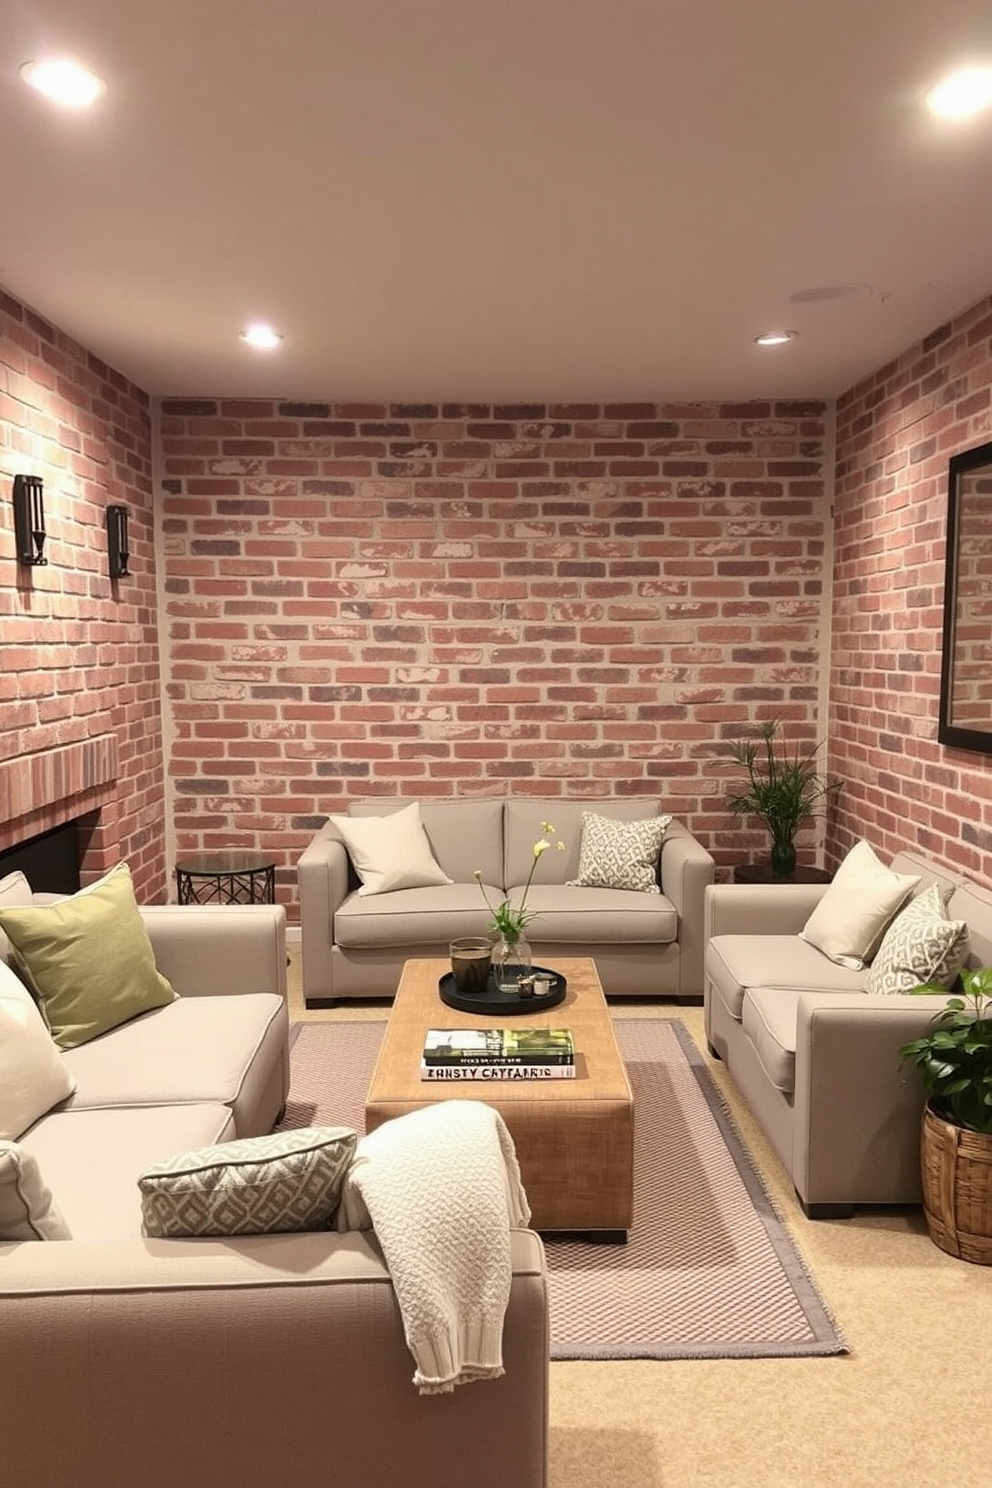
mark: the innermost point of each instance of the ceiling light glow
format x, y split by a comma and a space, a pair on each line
774, 338
261, 337
64, 82
962, 93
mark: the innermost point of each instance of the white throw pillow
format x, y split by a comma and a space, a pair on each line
27, 1211
620, 854
289, 1180
33, 1077
390, 852
921, 946
853, 914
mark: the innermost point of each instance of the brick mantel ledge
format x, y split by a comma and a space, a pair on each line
31, 782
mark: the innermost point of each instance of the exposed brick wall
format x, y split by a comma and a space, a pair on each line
79, 653
896, 432
465, 599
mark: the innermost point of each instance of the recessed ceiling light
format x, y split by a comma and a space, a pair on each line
261, 337
64, 82
775, 338
962, 93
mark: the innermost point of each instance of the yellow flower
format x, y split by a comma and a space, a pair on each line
506, 920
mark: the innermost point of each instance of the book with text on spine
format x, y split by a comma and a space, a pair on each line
498, 1046
483, 1072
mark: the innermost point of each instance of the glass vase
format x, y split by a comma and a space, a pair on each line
783, 857
512, 959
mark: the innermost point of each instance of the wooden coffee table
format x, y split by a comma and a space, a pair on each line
574, 1138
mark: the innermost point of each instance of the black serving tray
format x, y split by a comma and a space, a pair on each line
494, 1003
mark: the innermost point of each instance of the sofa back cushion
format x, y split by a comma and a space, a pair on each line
464, 835
524, 816
974, 904
15, 891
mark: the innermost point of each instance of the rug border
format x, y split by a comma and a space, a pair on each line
828, 1339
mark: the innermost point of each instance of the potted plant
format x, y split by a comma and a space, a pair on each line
512, 953
955, 1058
784, 789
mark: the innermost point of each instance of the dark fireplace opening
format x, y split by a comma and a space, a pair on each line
49, 862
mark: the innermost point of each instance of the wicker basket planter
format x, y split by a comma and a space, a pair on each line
956, 1171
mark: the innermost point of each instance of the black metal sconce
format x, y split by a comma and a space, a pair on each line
117, 549
29, 520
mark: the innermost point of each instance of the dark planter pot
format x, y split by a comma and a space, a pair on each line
783, 859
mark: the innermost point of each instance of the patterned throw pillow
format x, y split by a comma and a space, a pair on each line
254, 1186
620, 854
921, 945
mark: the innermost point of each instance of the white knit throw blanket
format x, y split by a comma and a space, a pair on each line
441, 1189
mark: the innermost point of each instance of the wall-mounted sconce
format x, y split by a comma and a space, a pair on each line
29, 520
117, 549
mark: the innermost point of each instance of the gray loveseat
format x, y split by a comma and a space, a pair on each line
815, 1056
643, 944
254, 1361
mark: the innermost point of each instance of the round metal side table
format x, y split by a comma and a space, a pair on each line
226, 878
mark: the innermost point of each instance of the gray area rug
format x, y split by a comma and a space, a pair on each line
708, 1272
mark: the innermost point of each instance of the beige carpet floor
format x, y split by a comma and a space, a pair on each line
908, 1405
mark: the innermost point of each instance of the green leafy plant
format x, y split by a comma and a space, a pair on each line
784, 789
509, 920
956, 1055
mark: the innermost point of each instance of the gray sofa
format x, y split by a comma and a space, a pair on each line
815, 1056
252, 1361
643, 944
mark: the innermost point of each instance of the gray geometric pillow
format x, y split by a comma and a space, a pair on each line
254, 1186
620, 854
920, 946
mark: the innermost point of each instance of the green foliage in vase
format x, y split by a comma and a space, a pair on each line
784, 787
956, 1055
510, 920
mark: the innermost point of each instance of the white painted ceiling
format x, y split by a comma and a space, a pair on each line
519, 199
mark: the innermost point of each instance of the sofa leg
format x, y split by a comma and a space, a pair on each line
826, 1211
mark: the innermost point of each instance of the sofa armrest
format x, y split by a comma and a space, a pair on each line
857, 1105
759, 909
322, 876
214, 1362
206, 950
686, 870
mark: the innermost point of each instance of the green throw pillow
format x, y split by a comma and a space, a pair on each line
87, 959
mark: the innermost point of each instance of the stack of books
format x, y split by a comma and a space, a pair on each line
498, 1054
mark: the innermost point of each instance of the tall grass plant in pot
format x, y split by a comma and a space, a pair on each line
783, 788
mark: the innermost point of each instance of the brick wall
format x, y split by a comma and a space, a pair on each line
457, 600
78, 653
896, 432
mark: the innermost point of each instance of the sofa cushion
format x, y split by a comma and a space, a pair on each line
27, 1209
91, 1159
851, 918
768, 1017
524, 816
413, 917
198, 1049
920, 946
33, 1074
390, 852
464, 835
620, 855
736, 962
288, 1180
583, 917
14, 890
87, 959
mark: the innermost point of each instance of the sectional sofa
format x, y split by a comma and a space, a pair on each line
256, 1360
647, 944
